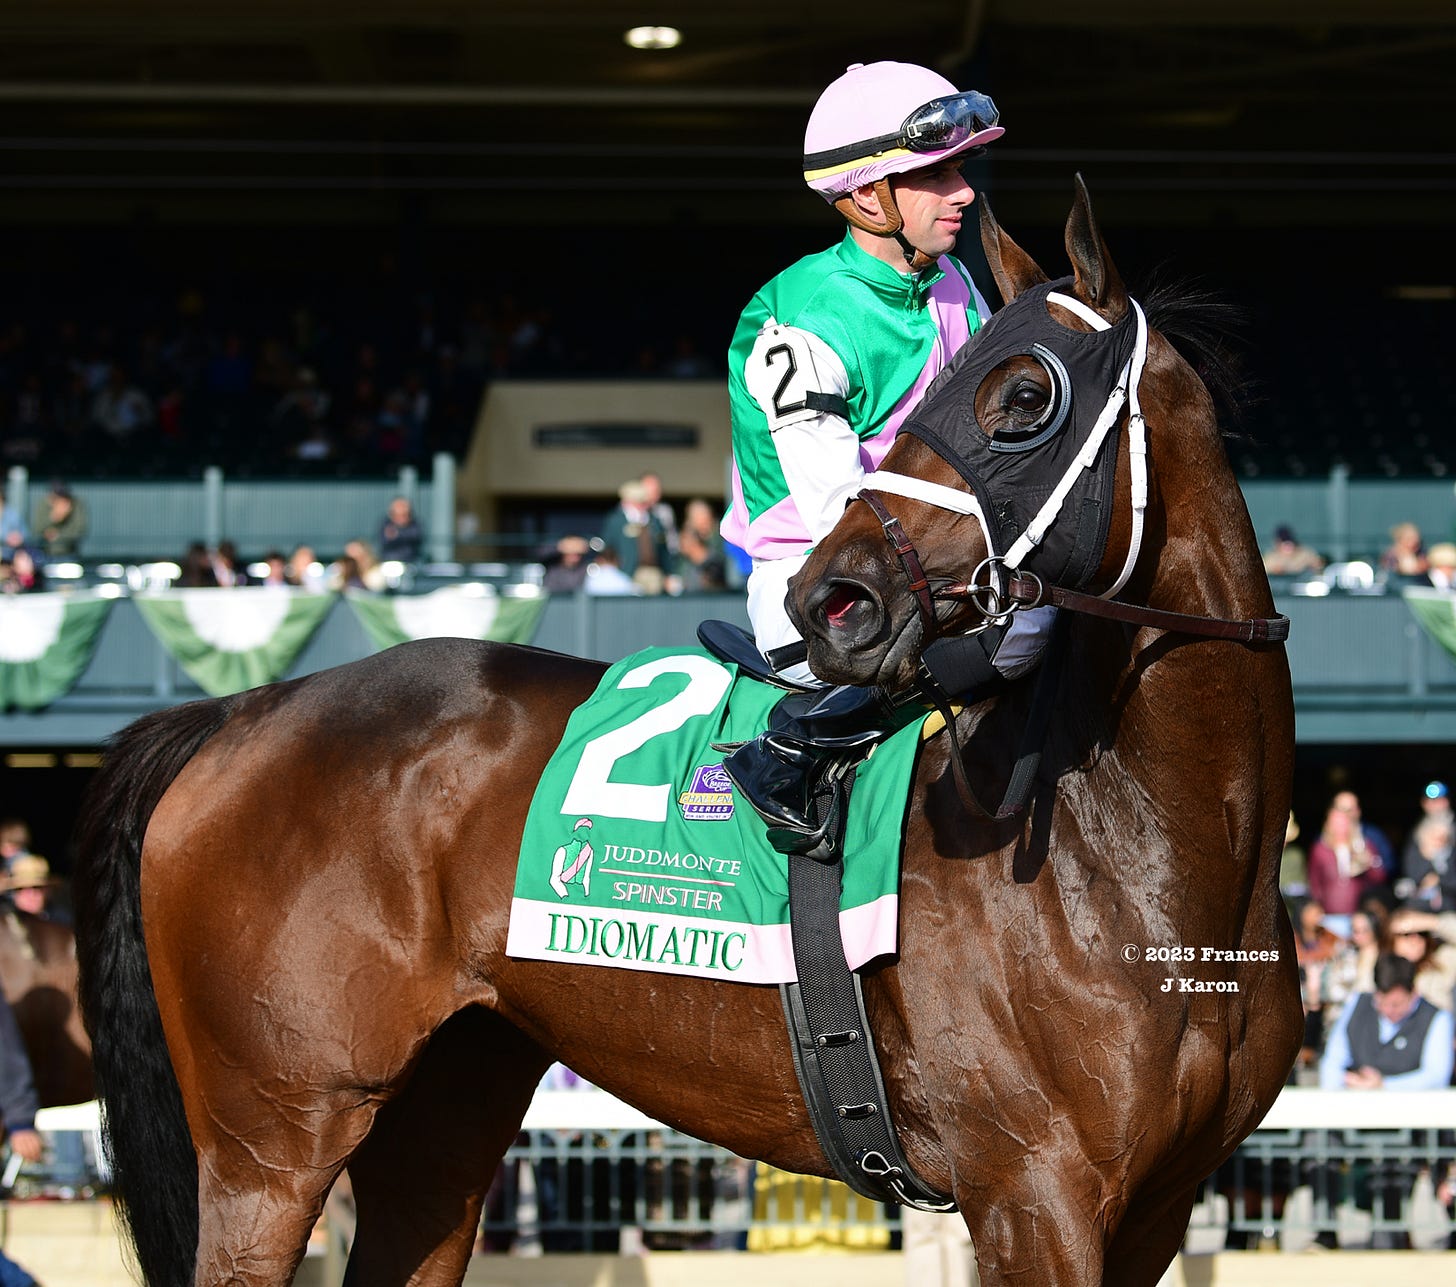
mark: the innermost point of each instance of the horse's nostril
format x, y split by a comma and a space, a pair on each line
848, 611
839, 604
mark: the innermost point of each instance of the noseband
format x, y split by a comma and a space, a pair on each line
997, 598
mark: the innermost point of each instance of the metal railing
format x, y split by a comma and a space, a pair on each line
1343, 517
588, 1173
1349, 1170
1346, 1169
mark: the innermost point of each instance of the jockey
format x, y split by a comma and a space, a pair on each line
827, 362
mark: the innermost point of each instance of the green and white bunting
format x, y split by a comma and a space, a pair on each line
1436, 612
456, 612
234, 638
46, 641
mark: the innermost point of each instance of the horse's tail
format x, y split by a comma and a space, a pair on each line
154, 1167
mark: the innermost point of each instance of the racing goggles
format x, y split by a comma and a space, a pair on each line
937, 126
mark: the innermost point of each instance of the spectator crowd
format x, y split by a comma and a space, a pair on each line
1375, 939
642, 549
265, 379
1406, 560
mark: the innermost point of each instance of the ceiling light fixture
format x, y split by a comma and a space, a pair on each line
653, 37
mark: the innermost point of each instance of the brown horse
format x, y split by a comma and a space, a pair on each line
38, 975
292, 907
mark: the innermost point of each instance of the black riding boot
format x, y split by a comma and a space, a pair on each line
808, 734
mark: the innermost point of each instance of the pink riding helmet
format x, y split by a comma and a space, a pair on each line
885, 118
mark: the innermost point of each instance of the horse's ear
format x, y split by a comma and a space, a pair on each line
1013, 269
1098, 282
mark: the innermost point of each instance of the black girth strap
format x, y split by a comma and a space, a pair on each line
834, 1055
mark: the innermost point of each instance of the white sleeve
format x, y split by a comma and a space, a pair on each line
801, 386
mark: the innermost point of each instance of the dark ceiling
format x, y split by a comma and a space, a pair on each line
1301, 113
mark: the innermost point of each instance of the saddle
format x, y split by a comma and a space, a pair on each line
734, 644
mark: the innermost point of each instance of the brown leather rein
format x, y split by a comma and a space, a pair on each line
1026, 590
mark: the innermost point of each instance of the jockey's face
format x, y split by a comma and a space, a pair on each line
931, 201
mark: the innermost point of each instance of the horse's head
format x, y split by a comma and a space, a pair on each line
1027, 455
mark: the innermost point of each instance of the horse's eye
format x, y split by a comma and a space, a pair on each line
1030, 399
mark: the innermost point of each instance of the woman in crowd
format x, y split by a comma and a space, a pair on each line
1429, 941
1352, 966
1315, 947
370, 573
1406, 554
1342, 865
196, 568
345, 574
701, 562
20, 573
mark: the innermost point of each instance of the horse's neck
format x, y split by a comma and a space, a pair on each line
1209, 563
1192, 719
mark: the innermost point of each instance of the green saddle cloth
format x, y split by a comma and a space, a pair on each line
638, 855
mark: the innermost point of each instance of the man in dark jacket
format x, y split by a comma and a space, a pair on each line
61, 522
635, 533
1389, 1039
400, 536
18, 1104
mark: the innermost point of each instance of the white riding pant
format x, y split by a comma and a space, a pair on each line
768, 586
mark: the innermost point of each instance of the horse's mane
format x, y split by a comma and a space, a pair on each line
1203, 325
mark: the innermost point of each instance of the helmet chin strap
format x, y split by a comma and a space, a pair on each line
918, 260
892, 225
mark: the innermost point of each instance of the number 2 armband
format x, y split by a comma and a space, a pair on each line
794, 376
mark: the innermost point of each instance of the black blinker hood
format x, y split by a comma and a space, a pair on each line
1013, 479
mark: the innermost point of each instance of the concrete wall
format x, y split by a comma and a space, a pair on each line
506, 460
1363, 669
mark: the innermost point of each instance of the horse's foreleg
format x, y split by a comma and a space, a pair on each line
1058, 1225
1150, 1235
421, 1176
1040, 1225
